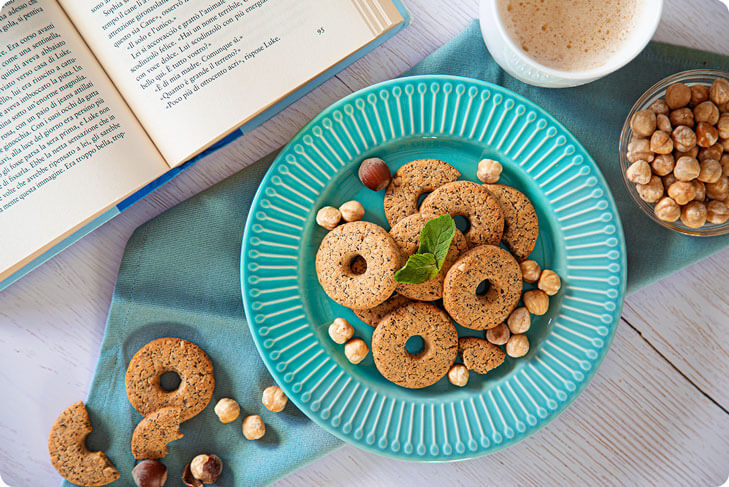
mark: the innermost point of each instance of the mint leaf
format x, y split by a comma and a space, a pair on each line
436, 237
418, 269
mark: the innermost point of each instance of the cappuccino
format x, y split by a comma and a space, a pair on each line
569, 35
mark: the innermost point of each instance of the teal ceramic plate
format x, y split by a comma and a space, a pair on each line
460, 121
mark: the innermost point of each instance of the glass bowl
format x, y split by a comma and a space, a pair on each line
691, 77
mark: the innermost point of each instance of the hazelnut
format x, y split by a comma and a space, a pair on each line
517, 346
206, 468
519, 321
536, 301
678, 95
723, 108
682, 192
661, 142
489, 170
724, 143
722, 126
149, 473
717, 212
693, 152
663, 164
719, 91
660, 107
706, 135
682, 116
274, 399
700, 190
530, 271
663, 123
253, 427
643, 123
669, 179
724, 161
356, 350
458, 375
549, 282
374, 173
687, 169
340, 331
667, 210
498, 335
713, 152
699, 94
718, 190
710, 171
693, 214
650, 192
684, 139
640, 149
188, 480
352, 211
328, 217
227, 410
706, 112
639, 172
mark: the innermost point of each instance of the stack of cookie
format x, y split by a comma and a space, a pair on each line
479, 284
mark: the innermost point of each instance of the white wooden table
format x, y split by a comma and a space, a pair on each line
657, 412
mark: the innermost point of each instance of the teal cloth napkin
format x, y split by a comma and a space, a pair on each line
179, 275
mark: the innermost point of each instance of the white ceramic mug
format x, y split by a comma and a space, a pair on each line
515, 62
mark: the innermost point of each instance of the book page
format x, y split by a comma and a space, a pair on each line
193, 71
70, 148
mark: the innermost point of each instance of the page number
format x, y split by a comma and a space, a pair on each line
320, 31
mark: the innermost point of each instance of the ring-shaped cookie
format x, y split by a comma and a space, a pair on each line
169, 354
413, 180
415, 371
521, 226
406, 234
334, 260
482, 263
470, 200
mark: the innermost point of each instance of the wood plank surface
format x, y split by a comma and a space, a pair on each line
656, 403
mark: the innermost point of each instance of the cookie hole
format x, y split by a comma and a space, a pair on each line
169, 381
415, 344
483, 288
358, 265
462, 223
421, 198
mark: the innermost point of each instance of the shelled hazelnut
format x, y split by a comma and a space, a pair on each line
340, 331
549, 282
643, 123
536, 301
700, 190
519, 321
684, 138
274, 399
717, 212
678, 95
661, 142
699, 94
706, 134
227, 410
640, 150
489, 171
253, 427
682, 116
328, 217
687, 169
710, 171
719, 91
651, 192
352, 211
694, 214
667, 209
663, 123
356, 350
706, 112
662, 165
660, 107
206, 468
517, 346
713, 152
530, 271
682, 192
498, 335
458, 375
639, 172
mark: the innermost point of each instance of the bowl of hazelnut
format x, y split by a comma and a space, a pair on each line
674, 152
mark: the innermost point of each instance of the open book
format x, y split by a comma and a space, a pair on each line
98, 98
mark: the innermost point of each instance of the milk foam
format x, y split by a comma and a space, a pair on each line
569, 35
